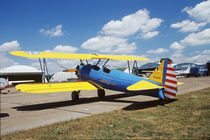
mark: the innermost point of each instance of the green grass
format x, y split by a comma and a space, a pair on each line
186, 118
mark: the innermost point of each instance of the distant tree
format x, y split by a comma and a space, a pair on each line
166, 59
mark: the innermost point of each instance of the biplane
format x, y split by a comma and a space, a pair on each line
93, 77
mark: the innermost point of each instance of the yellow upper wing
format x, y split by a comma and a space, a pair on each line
56, 87
143, 85
118, 57
51, 55
74, 56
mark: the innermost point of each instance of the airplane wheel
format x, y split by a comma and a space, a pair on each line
101, 93
75, 96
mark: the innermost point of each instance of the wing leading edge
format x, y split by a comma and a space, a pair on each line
57, 87
74, 56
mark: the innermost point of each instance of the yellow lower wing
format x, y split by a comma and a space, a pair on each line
55, 87
143, 85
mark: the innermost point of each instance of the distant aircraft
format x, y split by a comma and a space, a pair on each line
92, 77
183, 73
5, 83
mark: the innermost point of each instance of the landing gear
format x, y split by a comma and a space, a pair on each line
101, 93
161, 101
75, 96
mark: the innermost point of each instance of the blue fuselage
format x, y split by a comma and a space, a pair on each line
109, 79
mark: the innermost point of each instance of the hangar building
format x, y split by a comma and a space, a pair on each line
21, 72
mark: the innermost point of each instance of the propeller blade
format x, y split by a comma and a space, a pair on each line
70, 70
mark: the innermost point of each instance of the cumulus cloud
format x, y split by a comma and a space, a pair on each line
158, 51
4, 49
188, 26
176, 46
201, 58
131, 24
179, 57
53, 32
196, 39
109, 44
207, 52
200, 12
10, 46
149, 35
114, 36
63, 49
6, 61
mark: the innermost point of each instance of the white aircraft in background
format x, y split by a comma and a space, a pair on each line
183, 73
5, 83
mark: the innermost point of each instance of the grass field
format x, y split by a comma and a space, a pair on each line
188, 117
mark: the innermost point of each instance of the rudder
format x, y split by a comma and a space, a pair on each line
166, 76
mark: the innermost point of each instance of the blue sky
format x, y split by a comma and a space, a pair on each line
178, 29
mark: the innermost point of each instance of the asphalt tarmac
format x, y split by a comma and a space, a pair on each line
21, 111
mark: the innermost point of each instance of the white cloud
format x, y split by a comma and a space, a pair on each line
131, 24
10, 46
196, 39
63, 49
179, 57
107, 44
198, 58
149, 35
6, 61
114, 35
54, 32
200, 12
158, 51
4, 49
188, 26
207, 52
176, 46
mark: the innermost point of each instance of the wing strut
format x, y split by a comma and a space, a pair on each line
98, 62
135, 68
105, 63
44, 69
45, 64
129, 69
43, 79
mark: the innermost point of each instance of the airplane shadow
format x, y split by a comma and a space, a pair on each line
2, 115
146, 104
108, 98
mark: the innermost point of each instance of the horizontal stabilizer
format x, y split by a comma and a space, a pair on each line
143, 85
180, 83
56, 87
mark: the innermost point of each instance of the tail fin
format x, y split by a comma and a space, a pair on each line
166, 76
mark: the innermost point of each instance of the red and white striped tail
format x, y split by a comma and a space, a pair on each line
170, 82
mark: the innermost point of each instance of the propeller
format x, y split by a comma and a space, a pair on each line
70, 70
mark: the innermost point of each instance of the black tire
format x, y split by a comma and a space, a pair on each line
101, 93
75, 96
